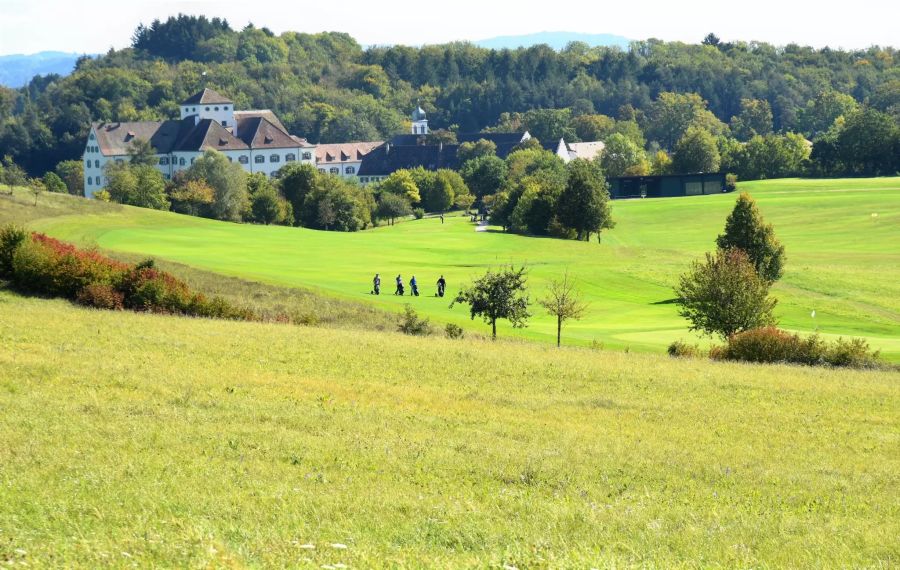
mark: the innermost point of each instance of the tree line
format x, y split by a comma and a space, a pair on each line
749, 97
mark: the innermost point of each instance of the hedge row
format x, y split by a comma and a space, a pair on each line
772, 345
38, 264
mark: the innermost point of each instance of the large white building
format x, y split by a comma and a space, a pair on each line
254, 139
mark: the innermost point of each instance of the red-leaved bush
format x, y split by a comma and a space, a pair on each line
43, 265
770, 344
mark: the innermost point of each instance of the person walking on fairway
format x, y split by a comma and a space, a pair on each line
399, 290
442, 284
376, 285
414, 286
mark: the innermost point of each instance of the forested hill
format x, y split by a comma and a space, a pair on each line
327, 88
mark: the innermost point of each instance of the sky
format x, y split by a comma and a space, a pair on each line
93, 26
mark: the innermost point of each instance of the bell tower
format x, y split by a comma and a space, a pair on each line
419, 121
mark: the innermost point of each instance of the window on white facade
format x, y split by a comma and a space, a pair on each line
192, 160
321, 170
307, 156
91, 136
243, 159
87, 163
349, 170
215, 108
363, 179
90, 180
207, 108
225, 108
118, 161
181, 162
274, 158
259, 159
224, 123
334, 170
290, 157
97, 163
163, 160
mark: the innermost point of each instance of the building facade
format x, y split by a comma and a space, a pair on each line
256, 140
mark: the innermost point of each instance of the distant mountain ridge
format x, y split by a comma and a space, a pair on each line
17, 70
556, 40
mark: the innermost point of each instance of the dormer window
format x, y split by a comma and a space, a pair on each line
268, 140
222, 142
224, 123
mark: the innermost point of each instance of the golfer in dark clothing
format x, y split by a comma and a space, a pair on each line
414, 285
399, 290
376, 285
442, 284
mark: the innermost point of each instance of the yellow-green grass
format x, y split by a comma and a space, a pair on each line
133, 439
842, 239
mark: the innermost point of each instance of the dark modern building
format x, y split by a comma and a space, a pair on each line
666, 186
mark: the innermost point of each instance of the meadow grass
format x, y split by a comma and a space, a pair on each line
842, 236
134, 439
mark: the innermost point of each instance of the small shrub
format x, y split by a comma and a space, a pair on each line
680, 349
11, 237
101, 296
419, 213
410, 323
731, 182
102, 195
597, 345
309, 319
853, 353
454, 331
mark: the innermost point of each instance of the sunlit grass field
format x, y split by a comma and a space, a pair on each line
842, 239
138, 440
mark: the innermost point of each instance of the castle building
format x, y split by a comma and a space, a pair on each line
256, 140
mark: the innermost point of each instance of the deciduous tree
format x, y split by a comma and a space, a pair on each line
564, 302
497, 295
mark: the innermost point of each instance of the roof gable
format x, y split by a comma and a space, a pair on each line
206, 97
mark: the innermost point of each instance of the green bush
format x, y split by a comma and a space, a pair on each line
454, 331
410, 323
731, 182
11, 237
418, 213
680, 349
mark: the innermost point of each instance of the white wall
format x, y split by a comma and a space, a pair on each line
223, 113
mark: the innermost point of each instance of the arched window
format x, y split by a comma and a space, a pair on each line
307, 156
90, 180
290, 157
334, 170
181, 162
350, 170
91, 136
243, 159
259, 159
274, 158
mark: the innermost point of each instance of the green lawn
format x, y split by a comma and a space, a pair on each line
842, 239
139, 440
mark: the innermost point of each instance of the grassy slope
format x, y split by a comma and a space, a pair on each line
842, 262
160, 441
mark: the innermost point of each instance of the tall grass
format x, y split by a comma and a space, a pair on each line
135, 439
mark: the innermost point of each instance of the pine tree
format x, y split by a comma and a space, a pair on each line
746, 230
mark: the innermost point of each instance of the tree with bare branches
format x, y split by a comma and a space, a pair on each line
564, 302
